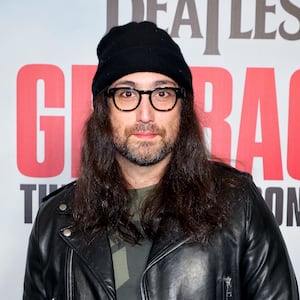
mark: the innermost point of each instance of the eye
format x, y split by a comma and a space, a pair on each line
126, 93
162, 93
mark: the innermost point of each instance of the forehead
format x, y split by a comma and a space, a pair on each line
150, 79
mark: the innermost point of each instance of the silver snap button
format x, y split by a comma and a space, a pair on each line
62, 207
67, 232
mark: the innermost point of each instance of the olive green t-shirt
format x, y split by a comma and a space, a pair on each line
129, 261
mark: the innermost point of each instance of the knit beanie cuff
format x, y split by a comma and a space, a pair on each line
139, 47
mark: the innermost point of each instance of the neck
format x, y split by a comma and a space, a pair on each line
141, 176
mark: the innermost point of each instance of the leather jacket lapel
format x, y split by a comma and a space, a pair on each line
96, 254
169, 237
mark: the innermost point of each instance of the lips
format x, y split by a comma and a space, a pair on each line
145, 134
145, 131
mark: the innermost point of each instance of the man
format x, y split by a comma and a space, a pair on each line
151, 216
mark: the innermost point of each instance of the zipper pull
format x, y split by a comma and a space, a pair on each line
228, 287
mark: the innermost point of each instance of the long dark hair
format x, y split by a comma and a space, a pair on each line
189, 191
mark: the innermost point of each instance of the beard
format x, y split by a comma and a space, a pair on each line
144, 153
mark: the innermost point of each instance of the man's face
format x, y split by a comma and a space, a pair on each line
144, 136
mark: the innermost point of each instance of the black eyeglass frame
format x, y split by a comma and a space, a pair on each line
110, 93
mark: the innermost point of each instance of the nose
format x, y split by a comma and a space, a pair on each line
145, 111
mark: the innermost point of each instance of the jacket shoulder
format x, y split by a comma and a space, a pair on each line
58, 202
60, 192
225, 169
245, 197
231, 180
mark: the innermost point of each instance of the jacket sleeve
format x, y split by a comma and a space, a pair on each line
267, 271
33, 280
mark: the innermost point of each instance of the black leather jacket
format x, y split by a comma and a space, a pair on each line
247, 260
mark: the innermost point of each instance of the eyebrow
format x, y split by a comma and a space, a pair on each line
160, 82
155, 84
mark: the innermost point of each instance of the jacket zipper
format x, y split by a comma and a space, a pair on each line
228, 288
69, 273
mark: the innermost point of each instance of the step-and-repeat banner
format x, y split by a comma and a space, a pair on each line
244, 56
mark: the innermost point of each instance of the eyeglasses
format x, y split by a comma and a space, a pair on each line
161, 99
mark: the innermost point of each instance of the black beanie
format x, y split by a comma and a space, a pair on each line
139, 47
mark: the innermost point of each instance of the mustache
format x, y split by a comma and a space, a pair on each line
142, 127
